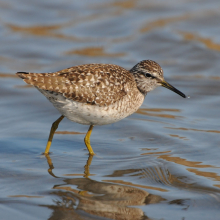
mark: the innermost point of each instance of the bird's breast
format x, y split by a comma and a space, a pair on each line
88, 114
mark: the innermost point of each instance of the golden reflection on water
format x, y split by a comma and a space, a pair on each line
161, 152
184, 162
165, 155
212, 175
147, 111
163, 22
193, 129
93, 52
208, 42
109, 199
6, 75
177, 136
25, 196
195, 164
43, 31
125, 4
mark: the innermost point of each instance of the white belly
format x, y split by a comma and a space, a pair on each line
92, 114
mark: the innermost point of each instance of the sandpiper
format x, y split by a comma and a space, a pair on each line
97, 94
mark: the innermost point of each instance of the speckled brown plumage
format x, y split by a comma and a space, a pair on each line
97, 94
95, 84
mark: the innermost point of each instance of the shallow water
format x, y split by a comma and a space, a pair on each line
161, 162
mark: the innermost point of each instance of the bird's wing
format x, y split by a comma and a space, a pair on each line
95, 84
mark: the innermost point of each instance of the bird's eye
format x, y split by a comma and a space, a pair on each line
147, 75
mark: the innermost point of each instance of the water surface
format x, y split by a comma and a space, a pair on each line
161, 162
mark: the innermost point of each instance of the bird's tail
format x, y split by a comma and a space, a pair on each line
23, 75
39, 80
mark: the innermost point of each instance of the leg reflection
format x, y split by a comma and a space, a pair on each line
86, 170
51, 167
86, 167
86, 173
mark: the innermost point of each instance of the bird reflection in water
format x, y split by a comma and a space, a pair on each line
96, 198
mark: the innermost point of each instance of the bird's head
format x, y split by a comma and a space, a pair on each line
149, 75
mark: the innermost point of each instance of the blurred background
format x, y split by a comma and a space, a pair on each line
161, 162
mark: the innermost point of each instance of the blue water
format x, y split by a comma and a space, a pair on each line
161, 162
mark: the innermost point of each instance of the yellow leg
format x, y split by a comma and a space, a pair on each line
87, 140
52, 131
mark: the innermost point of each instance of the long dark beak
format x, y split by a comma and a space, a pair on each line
168, 86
